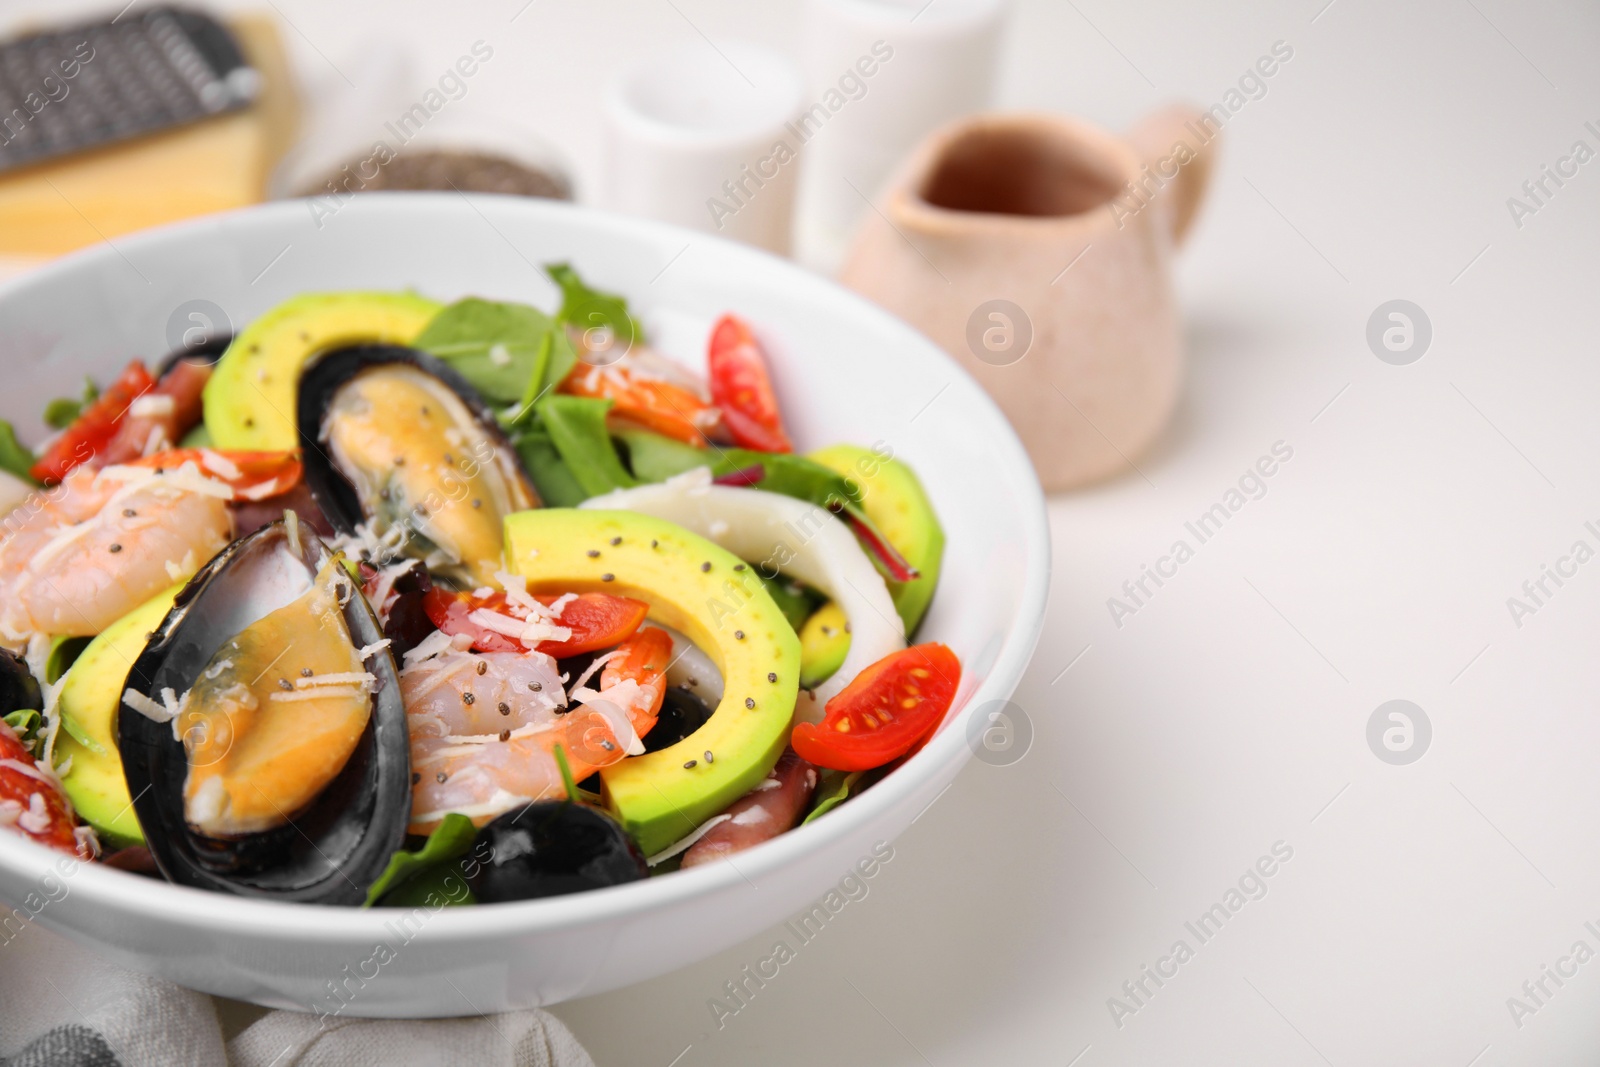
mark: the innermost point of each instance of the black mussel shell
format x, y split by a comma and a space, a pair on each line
332, 851
207, 349
19, 691
682, 713
329, 487
554, 847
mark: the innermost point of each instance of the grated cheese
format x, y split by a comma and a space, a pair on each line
184, 479
36, 820
433, 645
152, 406
145, 706
264, 491
315, 694
218, 464
699, 832
361, 678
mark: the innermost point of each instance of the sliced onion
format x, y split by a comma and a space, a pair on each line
773, 532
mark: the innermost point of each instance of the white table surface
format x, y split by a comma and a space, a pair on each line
1230, 712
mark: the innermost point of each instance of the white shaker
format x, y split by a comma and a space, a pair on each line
930, 61
692, 138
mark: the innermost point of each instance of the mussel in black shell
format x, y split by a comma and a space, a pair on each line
394, 438
262, 731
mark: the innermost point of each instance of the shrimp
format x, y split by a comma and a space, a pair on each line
76, 557
484, 726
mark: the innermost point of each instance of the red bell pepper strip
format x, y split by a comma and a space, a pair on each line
86, 439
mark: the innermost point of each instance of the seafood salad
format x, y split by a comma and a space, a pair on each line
383, 596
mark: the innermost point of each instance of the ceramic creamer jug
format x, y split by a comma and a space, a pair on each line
1036, 250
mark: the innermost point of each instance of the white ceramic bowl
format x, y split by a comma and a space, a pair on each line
844, 370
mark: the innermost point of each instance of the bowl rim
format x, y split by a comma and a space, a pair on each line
136, 897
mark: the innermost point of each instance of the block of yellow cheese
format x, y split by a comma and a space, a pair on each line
213, 165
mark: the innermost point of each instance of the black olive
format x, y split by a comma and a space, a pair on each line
18, 689
408, 623
555, 847
682, 713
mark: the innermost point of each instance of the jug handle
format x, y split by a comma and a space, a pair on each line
1156, 139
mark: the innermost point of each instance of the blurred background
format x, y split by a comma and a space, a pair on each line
1396, 157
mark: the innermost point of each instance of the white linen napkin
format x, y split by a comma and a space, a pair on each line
62, 1006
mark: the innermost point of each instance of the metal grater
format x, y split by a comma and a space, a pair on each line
102, 82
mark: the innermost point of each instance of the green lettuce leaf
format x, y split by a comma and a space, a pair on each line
14, 458
589, 309
577, 428
449, 841
501, 349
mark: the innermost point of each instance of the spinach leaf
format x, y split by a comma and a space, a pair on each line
501, 349
63, 411
550, 473
595, 313
25, 724
577, 427
14, 458
449, 841
656, 458
835, 790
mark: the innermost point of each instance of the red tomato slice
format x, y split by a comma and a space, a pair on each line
881, 716
18, 787
259, 474
89, 433
597, 620
741, 387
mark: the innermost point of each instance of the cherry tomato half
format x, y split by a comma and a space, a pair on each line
48, 820
597, 620
94, 427
885, 712
741, 387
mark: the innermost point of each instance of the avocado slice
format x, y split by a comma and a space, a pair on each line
897, 505
824, 643
251, 398
717, 601
90, 697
